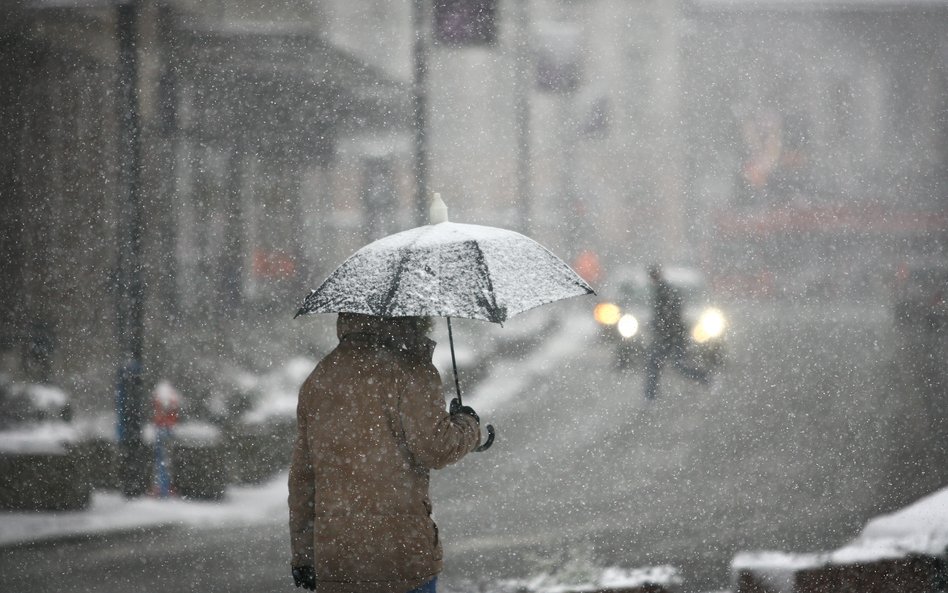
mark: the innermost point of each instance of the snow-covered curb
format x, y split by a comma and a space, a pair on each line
920, 529
611, 578
508, 378
111, 512
39, 438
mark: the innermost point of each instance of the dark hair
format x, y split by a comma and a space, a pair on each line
416, 326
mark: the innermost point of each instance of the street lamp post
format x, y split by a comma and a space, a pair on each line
130, 395
522, 70
420, 106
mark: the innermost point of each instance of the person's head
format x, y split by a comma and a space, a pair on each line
410, 328
419, 327
655, 272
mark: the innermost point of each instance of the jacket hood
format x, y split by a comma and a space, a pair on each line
402, 333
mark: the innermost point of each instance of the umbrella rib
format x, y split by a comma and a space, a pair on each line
396, 282
482, 264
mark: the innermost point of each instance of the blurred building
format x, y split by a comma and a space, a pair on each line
241, 119
780, 144
818, 139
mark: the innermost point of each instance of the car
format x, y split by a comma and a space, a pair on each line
42, 456
625, 313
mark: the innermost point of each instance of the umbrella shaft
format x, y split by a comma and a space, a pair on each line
454, 364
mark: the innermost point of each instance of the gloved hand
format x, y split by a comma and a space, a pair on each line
305, 577
457, 408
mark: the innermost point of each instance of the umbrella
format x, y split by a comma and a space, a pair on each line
447, 270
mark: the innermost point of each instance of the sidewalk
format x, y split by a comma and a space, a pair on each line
109, 511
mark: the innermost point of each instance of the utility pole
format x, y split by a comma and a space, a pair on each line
130, 396
420, 107
523, 84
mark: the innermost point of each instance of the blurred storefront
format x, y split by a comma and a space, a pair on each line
240, 123
818, 137
771, 142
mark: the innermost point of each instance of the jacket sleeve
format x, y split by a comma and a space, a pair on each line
302, 489
434, 437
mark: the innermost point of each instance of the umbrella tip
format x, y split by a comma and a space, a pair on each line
438, 211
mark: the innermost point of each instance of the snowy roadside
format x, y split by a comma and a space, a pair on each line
918, 528
508, 377
906, 536
111, 512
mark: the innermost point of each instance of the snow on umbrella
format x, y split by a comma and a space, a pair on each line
447, 270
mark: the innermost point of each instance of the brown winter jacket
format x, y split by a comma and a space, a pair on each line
371, 424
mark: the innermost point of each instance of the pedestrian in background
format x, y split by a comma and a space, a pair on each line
668, 334
166, 403
371, 425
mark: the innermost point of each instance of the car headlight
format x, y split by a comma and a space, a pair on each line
710, 325
628, 326
607, 313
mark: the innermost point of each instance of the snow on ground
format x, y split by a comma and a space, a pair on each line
38, 438
920, 528
276, 391
508, 378
111, 512
597, 580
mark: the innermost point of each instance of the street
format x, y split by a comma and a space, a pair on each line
810, 430
812, 427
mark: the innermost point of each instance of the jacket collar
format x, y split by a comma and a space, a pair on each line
397, 333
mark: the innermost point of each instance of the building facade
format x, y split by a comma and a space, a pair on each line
237, 123
769, 142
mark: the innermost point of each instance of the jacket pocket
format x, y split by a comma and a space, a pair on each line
376, 547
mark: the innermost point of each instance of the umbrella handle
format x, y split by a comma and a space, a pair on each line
457, 386
489, 441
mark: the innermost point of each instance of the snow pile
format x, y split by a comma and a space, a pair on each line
274, 394
35, 419
576, 571
918, 529
196, 434
602, 579
509, 378
40, 438
111, 512
46, 397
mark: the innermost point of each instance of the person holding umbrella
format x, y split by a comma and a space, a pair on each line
371, 425
372, 422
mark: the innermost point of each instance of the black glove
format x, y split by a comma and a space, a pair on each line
305, 577
457, 408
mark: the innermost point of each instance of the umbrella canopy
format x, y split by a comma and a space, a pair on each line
447, 270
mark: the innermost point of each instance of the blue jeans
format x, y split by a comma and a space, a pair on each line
429, 587
162, 470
